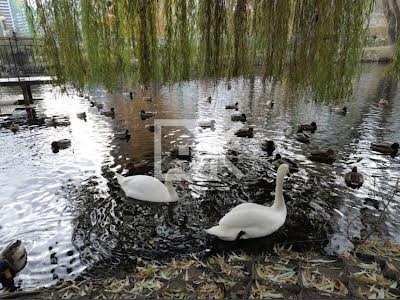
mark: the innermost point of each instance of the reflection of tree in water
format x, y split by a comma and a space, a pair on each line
387, 88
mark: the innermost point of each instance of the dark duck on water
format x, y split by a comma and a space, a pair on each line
308, 127
323, 156
354, 179
387, 149
245, 132
12, 260
268, 146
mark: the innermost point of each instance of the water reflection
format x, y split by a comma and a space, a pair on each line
75, 219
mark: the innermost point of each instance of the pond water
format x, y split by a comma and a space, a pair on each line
74, 219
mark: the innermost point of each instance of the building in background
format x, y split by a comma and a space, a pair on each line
13, 18
6, 18
19, 17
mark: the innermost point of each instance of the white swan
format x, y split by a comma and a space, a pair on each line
250, 220
147, 188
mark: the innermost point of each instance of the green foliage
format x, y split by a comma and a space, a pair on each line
313, 45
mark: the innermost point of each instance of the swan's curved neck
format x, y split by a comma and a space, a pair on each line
279, 202
171, 190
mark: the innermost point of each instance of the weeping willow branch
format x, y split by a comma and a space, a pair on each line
313, 45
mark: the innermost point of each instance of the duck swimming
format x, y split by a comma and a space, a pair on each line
239, 118
278, 160
207, 124
328, 156
268, 146
354, 179
339, 110
209, 99
148, 99
308, 127
302, 137
110, 113
386, 149
147, 188
14, 127
131, 95
56, 146
146, 114
250, 220
125, 135
99, 105
150, 127
81, 116
232, 106
12, 260
245, 132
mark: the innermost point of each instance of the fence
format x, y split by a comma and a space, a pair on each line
19, 58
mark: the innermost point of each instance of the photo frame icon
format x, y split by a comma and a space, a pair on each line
192, 126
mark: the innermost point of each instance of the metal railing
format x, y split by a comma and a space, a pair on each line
19, 58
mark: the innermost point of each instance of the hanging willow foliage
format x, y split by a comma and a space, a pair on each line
312, 44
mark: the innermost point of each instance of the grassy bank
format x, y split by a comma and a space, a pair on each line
371, 271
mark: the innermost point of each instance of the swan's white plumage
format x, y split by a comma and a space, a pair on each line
253, 219
147, 188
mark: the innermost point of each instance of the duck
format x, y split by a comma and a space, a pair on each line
148, 98
308, 127
386, 148
131, 95
339, 110
148, 188
232, 106
229, 86
383, 101
96, 104
278, 160
56, 146
181, 152
110, 113
268, 146
13, 259
82, 116
251, 220
150, 127
270, 103
239, 118
14, 127
209, 99
324, 156
354, 179
207, 124
123, 135
146, 114
302, 137
245, 132
142, 167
